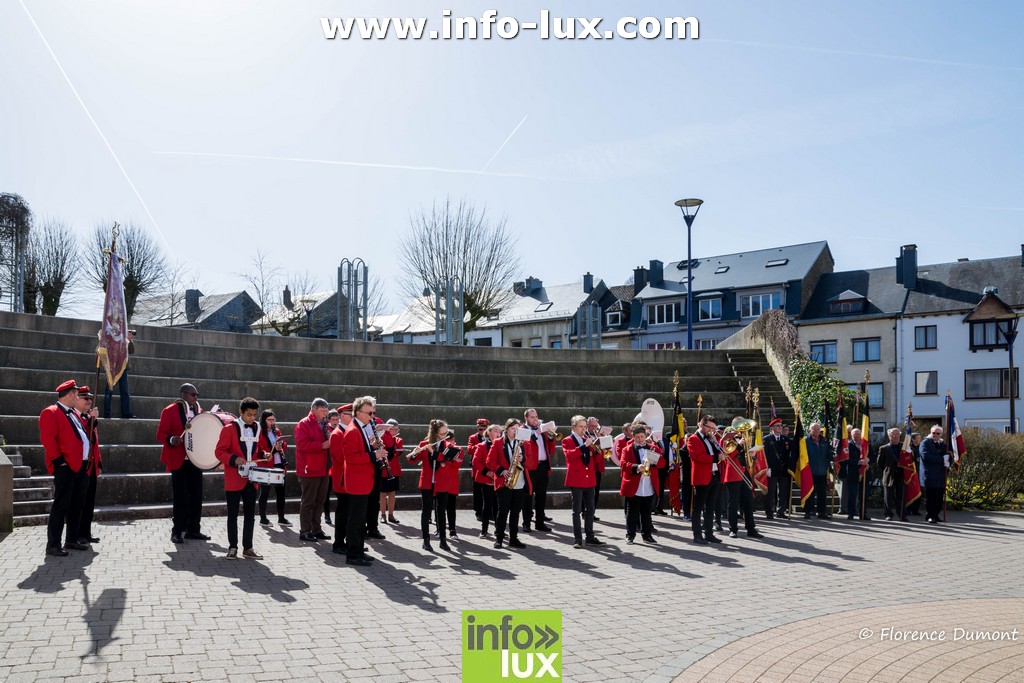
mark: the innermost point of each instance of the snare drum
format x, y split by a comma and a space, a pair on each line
266, 475
201, 438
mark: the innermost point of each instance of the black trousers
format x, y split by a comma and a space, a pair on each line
433, 503
279, 493
187, 492
539, 478
660, 500
88, 506
247, 497
705, 499
638, 514
478, 498
685, 489
372, 511
510, 505
582, 512
785, 491
450, 506
355, 527
851, 486
818, 500
69, 489
488, 507
340, 522
894, 499
933, 501
126, 398
771, 496
740, 497
597, 489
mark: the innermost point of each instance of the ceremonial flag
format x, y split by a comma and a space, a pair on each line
955, 440
758, 462
911, 480
865, 431
803, 463
678, 438
112, 351
840, 439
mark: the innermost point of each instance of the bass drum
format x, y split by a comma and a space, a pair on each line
201, 439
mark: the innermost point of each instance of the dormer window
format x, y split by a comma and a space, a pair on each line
846, 303
776, 262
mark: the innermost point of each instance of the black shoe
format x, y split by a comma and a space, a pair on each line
443, 545
452, 534
660, 512
699, 540
733, 534
933, 521
321, 536
755, 534
176, 537
714, 539
593, 540
89, 539
196, 536
76, 546
339, 550
577, 545
516, 543
548, 519
865, 519
807, 515
429, 548
359, 562
649, 539
307, 537
849, 517
629, 540
283, 522
781, 514
596, 518
543, 527
769, 515
59, 552
327, 520
375, 534
479, 517
526, 527
497, 544
904, 519
888, 518
718, 527
264, 522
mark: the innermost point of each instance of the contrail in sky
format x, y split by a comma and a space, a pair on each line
97, 127
360, 164
498, 151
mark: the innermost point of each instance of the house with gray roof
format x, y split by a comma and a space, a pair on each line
232, 312
729, 292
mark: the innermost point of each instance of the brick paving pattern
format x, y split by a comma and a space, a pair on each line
790, 607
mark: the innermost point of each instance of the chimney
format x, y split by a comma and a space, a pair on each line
533, 285
906, 266
588, 283
1022, 256
639, 279
287, 298
519, 288
192, 304
657, 273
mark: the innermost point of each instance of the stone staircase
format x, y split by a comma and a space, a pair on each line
412, 384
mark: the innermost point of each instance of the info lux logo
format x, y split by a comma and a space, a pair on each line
506, 645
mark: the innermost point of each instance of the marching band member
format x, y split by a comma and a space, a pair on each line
450, 482
484, 478
581, 456
239, 445
639, 482
736, 478
389, 485
361, 458
272, 442
333, 420
312, 441
478, 488
337, 455
186, 478
705, 454
432, 455
593, 428
510, 500
539, 466
67, 448
89, 414
620, 442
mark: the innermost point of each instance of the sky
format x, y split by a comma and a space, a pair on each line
226, 127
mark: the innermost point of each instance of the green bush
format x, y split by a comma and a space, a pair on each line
991, 474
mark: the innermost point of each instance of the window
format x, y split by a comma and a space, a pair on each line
614, 318
661, 314
841, 307
991, 383
721, 269
867, 350
707, 344
535, 343
515, 343
926, 383
753, 305
924, 337
482, 341
776, 262
711, 309
660, 346
824, 352
541, 307
555, 342
878, 428
875, 395
985, 335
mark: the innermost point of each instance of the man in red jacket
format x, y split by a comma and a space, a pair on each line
66, 446
186, 478
705, 454
360, 461
239, 444
312, 441
89, 414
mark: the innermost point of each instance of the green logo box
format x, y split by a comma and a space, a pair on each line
509, 645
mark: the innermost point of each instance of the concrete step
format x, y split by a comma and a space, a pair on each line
27, 482
31, 494
22, 471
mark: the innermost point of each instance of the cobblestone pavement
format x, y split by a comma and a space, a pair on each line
790, 607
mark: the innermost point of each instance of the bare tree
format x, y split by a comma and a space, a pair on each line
179, 278
15, 226
456, 240
145, 266
293, 315
264, 277
376, 298
53, 252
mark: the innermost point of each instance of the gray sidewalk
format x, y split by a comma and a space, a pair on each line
140, 608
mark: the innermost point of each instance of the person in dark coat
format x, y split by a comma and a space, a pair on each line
936, 460
776, 454
849, 471
819, 457
892, 475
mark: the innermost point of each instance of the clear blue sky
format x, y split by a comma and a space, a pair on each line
869, 124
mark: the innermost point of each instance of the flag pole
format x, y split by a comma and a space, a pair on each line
110, 254
865, 438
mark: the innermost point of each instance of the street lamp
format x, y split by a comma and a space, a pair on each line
689, 207
1011, 336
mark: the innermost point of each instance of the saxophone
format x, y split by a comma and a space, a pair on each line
515, 468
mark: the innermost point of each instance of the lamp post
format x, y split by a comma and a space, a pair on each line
1010, 333
689, 207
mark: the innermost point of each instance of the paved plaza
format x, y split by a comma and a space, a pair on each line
810, 602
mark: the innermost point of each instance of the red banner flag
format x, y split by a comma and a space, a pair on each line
112, 351
911, 480
955, 442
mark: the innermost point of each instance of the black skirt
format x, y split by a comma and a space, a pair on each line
389, 485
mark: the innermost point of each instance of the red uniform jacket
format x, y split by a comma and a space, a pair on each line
95, 459
531, 451
498, 462
229, 445
310, 455
599, 463
578, 475
481, 474
358, 461
631, 479
444, 463
448, 471
700, 459
337, 459
60, 438
395, 446
172, 423
265, 446
730, 466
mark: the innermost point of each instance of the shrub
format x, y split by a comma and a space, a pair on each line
991, 474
